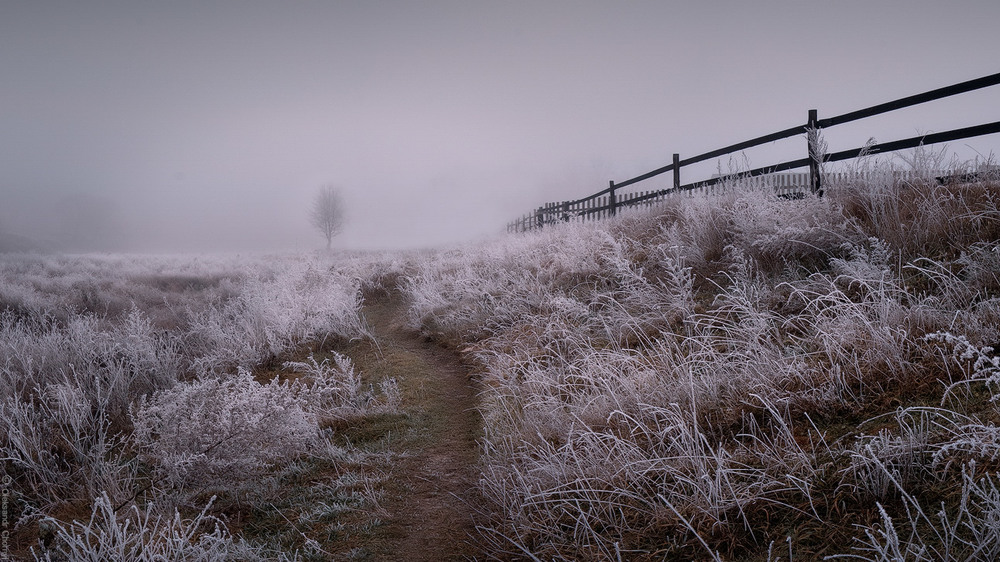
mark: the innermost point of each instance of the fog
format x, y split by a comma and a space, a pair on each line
209, 126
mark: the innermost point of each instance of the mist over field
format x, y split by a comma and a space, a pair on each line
209, 126
202, 360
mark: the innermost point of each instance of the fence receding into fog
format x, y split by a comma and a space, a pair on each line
606, 202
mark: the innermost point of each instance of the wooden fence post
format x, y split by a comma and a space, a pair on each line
539, 218
677, 172
565, 211
611, 198
812, 138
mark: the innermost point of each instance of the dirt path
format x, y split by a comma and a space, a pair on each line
433, 506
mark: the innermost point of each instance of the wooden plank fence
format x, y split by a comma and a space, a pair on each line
786, 185
605, 203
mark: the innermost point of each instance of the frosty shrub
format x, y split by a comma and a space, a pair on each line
379, 273
61, 449
140, 536
221, 430
109, 364
66, 389
92, 349
272, 314
971, 531
333, 390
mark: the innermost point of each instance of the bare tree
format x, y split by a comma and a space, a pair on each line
328, 212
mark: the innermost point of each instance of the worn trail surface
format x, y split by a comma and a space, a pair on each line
433, 500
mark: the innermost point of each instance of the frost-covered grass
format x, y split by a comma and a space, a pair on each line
739, 375
141, 535
132, 388
734, 376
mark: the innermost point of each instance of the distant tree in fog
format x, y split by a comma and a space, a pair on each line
328, 213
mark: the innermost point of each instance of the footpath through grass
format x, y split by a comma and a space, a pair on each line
422, 485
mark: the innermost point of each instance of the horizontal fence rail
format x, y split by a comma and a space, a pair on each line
606, 202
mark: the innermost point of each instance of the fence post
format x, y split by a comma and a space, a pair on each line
677, 172
565, 211
812, 138
611, 198
539, 218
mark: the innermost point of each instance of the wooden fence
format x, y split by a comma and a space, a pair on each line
606, 202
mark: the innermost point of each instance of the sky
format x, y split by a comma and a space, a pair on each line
178, 126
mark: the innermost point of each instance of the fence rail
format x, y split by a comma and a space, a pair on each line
606, 202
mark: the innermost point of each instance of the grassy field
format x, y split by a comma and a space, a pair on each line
735, 377
739, 376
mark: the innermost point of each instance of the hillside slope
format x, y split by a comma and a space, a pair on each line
739, 376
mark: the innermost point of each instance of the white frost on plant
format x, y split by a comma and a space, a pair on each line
222, 429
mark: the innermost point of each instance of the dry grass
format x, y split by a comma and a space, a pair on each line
737, 376
128, 401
